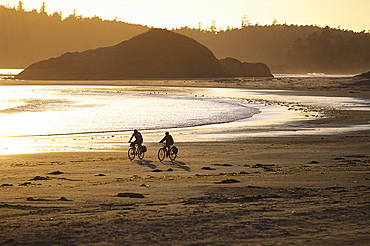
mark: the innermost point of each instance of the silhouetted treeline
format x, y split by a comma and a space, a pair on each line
331, 51
291, 48
30, 36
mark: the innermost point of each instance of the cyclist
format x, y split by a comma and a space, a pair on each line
169, 141
138, 139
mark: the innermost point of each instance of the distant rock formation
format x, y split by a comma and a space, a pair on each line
244, 69
364, 75
155, 54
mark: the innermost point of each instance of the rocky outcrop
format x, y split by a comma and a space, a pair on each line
244, 69
155, 54
364, 75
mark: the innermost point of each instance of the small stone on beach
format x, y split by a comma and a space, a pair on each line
208, 168
228, 181
56, 173
131, 195
64, 199
314, 162
40, 178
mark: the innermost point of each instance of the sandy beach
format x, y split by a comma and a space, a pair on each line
311, 189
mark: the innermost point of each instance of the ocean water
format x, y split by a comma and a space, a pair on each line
9, 72
82, 118
63, 110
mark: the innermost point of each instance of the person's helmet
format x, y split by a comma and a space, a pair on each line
167, 133
135, 130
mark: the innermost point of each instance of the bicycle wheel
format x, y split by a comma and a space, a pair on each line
173, 154
131, 153
161, 154
140, 153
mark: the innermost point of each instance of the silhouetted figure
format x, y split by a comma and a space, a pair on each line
138, 138
168, 142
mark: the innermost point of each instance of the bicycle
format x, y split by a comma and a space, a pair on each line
171, 153
136, 151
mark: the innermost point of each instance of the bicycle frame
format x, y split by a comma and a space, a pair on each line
135, 151
166, 152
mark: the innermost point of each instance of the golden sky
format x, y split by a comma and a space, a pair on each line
346, 14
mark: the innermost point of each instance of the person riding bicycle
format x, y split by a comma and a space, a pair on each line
169, 141
138, 138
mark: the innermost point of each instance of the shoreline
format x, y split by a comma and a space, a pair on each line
311, 189
292, 116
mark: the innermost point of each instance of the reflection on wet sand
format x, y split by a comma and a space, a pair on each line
280, 115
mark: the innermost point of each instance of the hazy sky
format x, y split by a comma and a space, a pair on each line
348, 14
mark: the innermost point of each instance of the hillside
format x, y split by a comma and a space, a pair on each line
157, 53
291, 49
28, 37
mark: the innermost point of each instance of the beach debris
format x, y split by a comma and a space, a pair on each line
101, 175
243, 172
31, 199
145, 185
6, 185
169, 170
56, 173
208, 168
228, 181
130, 195
224, 165
25, 184
40, 178
314, 162
247, 198
64, 199
70, 179
267, 167
157, 170
156, 204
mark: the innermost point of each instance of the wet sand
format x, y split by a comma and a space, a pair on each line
304, 190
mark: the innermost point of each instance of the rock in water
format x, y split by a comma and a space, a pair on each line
155, 54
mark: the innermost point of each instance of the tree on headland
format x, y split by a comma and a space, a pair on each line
43, 8
20, 6
245, 21
213, 26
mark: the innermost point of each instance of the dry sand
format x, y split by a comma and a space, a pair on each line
311, 190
